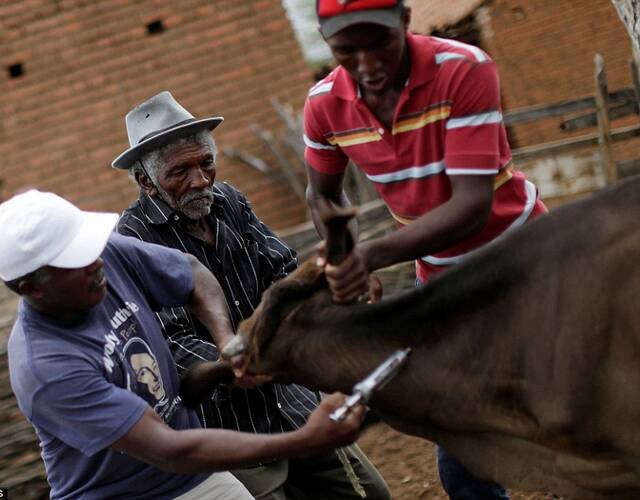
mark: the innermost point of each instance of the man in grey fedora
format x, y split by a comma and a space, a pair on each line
172, 159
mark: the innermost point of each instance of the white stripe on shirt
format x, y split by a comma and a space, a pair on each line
477, 53
409, 173
316, 145
471, 171
448, 56
475, 120
321, 88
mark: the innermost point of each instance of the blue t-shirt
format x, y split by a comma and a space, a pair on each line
84, 386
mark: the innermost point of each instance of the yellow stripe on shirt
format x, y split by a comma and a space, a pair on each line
361, 136
423, 119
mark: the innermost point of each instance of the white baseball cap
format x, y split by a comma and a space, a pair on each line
42, 229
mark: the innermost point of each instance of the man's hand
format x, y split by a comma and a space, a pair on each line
350, 279
323, 434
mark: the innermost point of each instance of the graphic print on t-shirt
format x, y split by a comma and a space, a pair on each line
147, 373
130, 362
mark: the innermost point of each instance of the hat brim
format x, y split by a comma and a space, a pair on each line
386, 17
131, 155
88, 243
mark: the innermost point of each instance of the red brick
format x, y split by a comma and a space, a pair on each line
86, 65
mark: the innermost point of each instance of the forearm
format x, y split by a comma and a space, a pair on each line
207, 450
314, 199
208, 303
438, 230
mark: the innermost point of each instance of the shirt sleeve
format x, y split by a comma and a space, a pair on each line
319, 153
472, 144
164, 274
82, 409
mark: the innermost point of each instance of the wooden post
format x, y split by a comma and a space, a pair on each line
635, 78
604, 127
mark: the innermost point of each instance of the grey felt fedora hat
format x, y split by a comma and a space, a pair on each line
156, 122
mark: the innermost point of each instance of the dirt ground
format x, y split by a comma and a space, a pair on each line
409, 467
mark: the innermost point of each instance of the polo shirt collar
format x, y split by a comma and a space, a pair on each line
423, 69
344, 86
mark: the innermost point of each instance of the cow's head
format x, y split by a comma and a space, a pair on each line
267, 336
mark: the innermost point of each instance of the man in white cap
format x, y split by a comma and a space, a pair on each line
172, 157
91, 370
421, 117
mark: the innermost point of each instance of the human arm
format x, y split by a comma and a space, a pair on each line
207, 302
463, 215
325, 191
328, 189
207, 450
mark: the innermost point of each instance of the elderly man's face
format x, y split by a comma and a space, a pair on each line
186, 178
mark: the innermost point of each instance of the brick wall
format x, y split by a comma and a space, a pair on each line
86, 63
545, 52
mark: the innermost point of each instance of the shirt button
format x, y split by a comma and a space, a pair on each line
279, 406
237, 302
381, 131
176, 217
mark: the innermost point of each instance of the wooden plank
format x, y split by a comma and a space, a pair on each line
604, 127
556, 147
627, 168
591, 119
561, 108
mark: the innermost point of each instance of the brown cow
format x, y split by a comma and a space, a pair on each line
526, 357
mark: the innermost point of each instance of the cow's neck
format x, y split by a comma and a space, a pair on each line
353, 340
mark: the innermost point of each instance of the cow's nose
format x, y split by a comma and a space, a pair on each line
234, 347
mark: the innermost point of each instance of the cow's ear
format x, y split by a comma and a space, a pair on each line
338, 236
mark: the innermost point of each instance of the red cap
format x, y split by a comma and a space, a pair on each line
335, 15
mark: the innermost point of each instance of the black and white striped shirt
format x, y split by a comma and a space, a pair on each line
246, 259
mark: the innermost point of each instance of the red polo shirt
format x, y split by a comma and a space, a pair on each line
448, 121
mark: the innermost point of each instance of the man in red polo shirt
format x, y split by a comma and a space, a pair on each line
421, 117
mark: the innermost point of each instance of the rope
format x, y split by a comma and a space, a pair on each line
351, 474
